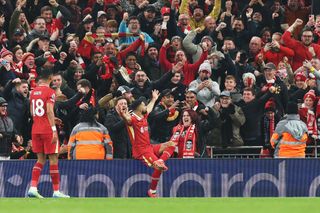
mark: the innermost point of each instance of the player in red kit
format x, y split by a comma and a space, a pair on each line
151, 155
44, 134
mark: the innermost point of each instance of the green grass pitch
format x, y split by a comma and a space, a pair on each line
163, 205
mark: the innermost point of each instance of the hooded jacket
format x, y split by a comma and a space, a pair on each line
290, 137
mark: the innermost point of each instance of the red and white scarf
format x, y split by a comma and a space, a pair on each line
189, 140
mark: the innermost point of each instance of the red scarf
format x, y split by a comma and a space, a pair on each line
308, 116
189, 140
271, 125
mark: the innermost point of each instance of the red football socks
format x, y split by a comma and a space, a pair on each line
54, 173
36, 171
167, 153
155, 179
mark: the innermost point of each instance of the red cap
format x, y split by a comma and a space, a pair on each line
300, 77
311, 94
165, 10
51, 59
26, 55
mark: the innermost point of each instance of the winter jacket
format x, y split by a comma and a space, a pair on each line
290, 137
161, 124
90, 141
148, 86
253, 112
238, 119
119, 135
195, 50
18, 110
206, 96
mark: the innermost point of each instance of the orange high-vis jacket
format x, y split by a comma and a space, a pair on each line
290, 137
89, 141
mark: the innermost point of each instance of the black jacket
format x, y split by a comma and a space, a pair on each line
161, 128
119, 135
18, 110
281, 98
146, 90
253, 111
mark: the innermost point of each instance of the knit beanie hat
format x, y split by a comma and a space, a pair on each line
4, 52
205, 66
300, 77
207, 37
250, 77
26, 55
292, 108
310, 94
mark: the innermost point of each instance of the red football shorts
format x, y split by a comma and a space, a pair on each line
42, 143
149, 157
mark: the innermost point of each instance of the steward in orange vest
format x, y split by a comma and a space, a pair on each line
291, 134
89, 139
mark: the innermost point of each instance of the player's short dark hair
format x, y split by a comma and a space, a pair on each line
45, 74
84, 83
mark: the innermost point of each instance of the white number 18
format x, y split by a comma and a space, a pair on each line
37, 107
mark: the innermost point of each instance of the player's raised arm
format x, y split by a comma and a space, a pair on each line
155, 95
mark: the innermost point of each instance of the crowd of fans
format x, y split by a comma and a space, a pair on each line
225, 70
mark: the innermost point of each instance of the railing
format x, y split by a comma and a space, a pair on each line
252, 152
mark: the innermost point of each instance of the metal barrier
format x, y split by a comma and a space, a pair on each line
245, 152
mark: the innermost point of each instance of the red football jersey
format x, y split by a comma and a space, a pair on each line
39, 98
141, 142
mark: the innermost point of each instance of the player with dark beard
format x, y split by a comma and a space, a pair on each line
151, 155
